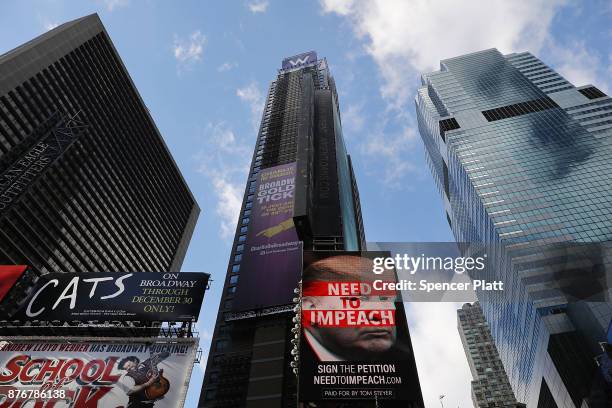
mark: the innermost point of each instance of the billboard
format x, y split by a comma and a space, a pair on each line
271, 261
354, 343
104, 373
299, 60
112, 296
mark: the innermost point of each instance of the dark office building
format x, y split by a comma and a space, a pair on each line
86, 181
299, 151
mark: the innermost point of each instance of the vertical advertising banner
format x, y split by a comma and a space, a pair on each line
355, 343
271, 261
104, 373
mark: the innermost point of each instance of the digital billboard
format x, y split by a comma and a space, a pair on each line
355, 343
101, 373
112, 296
271, 262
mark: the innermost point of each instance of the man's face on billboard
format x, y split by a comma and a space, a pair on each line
370, 339
351, 342
129, 365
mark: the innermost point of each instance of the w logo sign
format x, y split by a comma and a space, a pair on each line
299, 60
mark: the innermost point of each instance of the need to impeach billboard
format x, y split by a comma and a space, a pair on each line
86, 373
355, 343
271, 262
111, 296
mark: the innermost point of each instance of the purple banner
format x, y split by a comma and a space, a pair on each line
271, 262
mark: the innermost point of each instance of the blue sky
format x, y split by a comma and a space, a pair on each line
203, 69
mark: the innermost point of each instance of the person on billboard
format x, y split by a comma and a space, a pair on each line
143, 383
371, 340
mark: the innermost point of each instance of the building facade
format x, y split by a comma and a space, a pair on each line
522, 159
490, 385
301, 136
86, 180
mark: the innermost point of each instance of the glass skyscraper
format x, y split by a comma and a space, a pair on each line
300, 161
523, 161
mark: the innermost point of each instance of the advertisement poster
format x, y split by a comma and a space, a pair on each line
109, 373
271, 261
112, 296
355, 343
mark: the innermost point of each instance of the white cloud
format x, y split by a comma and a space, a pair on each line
225, 162
188, 51
441, 361
251, 95
50, 25
258, 6
353, 119
578, 65
226, 66
393, 151
228, 206
113, 4
408, 37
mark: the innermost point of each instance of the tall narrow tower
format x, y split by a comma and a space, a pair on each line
522, 159
490, 383
301, 193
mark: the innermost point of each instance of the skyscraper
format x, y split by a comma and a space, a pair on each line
302, 173
490, 385
522, 159
86, 180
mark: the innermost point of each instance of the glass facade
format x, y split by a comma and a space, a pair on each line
525, 164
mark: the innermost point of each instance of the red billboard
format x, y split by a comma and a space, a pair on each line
355, 343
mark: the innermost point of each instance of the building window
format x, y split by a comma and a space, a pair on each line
238, 258
247, 212
242, 238
445, 175
243, 229
592, 92
517, 109
249, 205
221, 345
233, 280
240, 248
446, 125
231, 290
211, 394
235, 268
245, 221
